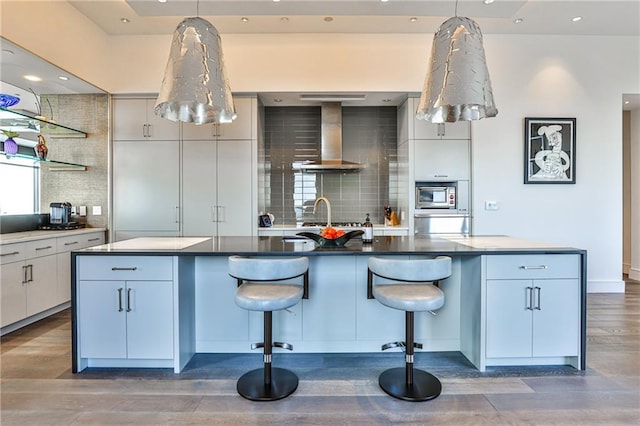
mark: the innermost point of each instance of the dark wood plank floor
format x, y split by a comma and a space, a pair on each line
38, 388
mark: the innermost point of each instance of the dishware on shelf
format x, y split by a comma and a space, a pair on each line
10, 146
7, 100
41, 149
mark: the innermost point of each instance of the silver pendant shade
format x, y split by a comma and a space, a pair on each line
195, 88
457, 87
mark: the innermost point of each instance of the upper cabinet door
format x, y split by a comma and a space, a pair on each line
243, 127
134, 119
442, 160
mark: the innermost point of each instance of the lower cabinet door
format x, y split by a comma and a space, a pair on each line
556, 317
149, 306
102, 319
42, 289
13, 306
509, 321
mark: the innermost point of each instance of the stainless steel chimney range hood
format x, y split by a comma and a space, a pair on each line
331, 143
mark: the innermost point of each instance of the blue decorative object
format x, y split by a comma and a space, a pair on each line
7, 100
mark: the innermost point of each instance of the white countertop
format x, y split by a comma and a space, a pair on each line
20, 237
152, 243
498, 242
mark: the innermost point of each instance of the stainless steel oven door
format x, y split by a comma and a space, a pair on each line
441, 224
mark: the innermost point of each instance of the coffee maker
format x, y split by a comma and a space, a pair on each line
60, 213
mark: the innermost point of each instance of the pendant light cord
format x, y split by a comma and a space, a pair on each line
456, 11
198, 7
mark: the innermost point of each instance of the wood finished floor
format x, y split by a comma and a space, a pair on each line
38, 388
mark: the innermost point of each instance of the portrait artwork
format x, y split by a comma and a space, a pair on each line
550, 145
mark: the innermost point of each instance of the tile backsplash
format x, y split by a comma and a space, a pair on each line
293, 134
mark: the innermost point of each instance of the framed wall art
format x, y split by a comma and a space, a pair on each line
549, 150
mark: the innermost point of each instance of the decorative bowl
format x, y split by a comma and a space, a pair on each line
7, 100
328, 242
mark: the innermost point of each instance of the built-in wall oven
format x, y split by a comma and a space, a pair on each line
442, 208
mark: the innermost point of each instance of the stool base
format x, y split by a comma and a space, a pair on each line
283, 383
425, 385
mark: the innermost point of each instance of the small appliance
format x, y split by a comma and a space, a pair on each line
436, 195
60, 213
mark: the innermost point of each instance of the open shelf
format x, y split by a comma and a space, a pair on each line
24, 123
37, 162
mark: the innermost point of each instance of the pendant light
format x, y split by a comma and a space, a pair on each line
457, 87
195, 88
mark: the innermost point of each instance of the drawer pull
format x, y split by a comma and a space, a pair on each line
13, 253
115, 268
120, 299
93, 239
71, 243
43, 248
534, 267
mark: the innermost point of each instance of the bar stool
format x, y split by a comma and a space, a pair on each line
258, 290
411, 293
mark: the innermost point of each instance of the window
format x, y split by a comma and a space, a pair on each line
19, 182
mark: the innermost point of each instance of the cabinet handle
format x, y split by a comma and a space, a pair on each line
24, 274
71, 243
440, 130
30, 269
128, 300
149, 130
115, 268
533, 267
93, 239
537, 289
13, 253
441, 176
177, 214
530, 302
220, 213
145, 131
43, 248
120, 299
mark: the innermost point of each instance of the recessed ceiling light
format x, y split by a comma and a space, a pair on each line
162, 1
32, 77
413, 19
328, 19
386, 100
488, 1
627, 102
277, 100
244, 19
276, 1
384, 1
576, 18
518, 21
63, 78
124, 20
284, 19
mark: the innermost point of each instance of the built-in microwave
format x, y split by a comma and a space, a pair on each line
436, 195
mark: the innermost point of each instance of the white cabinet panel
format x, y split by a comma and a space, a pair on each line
42, 288
146, 185
234, 188
149, 319
101, 319
134, 119
199, 188
243, 127
556, 326
13, 296
427, 130
444, 160
509, 322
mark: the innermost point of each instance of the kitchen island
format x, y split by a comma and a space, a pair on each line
154, 302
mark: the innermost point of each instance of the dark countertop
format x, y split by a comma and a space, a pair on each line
276, 245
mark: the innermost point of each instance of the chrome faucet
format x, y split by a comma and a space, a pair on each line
326, 200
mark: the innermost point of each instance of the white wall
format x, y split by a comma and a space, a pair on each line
550, 76
634, 270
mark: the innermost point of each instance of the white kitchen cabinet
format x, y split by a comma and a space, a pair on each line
243, 127
427, 130
126, 319
64, 247
442, 160
216, 189
532, 307
125, 310
146, 186
29, 284
134, 119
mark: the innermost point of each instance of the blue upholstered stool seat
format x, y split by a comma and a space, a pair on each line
268, 297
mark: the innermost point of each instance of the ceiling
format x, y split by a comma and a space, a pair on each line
148, 17
599, 17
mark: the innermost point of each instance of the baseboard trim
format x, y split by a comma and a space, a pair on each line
634, 274
605, 286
